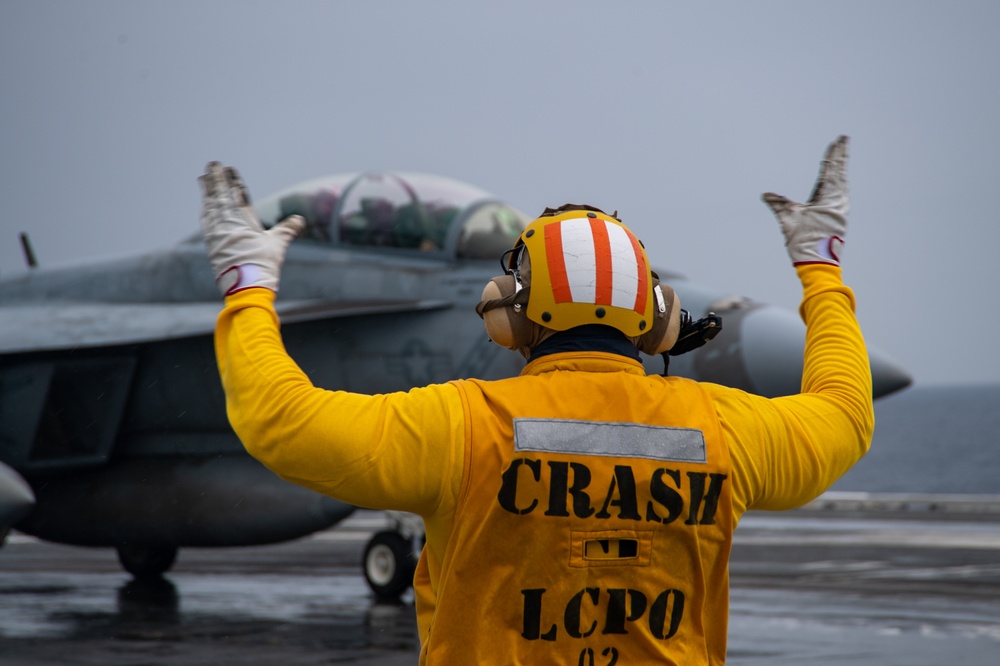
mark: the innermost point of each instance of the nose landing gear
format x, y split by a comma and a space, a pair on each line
391, 556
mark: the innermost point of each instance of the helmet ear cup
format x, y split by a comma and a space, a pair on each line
507, 326
666, 325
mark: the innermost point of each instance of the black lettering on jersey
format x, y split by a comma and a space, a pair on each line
507, 497
558, 485
618, 606
562, 480
533, 616
665, 496
659, 610
700, 497
628, 501
559, 488
619, 613
574, 611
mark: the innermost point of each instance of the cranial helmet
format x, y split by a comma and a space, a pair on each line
572, 266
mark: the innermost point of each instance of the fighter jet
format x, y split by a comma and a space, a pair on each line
113, 430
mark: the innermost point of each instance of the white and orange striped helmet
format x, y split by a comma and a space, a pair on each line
583, 266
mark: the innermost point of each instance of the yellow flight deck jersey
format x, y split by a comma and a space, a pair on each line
580, 513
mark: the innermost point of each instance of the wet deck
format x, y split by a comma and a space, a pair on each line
816, 587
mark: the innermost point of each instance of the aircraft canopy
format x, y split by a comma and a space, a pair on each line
420, 212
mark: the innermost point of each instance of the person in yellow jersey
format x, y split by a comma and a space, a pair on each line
583, 511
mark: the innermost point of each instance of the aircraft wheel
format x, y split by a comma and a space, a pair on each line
146, 561
389, 564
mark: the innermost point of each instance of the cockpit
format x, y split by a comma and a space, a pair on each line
399, 211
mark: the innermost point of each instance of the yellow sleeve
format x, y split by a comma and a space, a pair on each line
401, 451
786, 451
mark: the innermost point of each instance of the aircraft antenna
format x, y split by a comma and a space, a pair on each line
29, 254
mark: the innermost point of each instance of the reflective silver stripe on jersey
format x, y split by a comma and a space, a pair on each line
600, 438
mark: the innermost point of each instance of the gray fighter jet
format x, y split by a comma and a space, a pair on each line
113, 429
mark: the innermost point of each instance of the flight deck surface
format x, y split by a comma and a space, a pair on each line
823, 587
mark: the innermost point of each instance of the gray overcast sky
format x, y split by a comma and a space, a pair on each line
679, 115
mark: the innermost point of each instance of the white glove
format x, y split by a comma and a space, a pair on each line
242, 252
814, 232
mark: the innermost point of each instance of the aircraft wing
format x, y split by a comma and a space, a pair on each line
54, 326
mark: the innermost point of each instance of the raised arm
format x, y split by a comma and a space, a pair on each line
788, 450
400, 451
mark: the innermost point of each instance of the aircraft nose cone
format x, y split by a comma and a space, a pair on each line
771, 341
16, 497
888, 376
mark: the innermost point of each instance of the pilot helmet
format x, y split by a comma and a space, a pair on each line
577, 265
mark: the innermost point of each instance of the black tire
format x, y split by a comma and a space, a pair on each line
146, 561
388, 564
